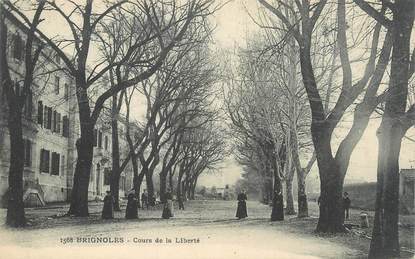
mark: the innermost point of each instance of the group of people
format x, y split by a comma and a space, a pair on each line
277, 202
131, 211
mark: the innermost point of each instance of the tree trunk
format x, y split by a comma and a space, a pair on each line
278, 199
171, 179
150, 188
15, 207
179, 193
302, 196
289, 210
163, 186
116, 172
187, 188
138, 180
192, 192
331, 217
79, 195
85, 151
385, 236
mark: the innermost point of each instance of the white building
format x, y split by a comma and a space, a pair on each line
51, 128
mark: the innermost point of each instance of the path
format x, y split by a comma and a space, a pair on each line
209, 223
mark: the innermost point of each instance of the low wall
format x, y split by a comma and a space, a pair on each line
362, 195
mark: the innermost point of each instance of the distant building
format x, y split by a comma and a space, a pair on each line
223, 193
406, 190
51, 128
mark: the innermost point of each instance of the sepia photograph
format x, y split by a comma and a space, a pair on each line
207, 129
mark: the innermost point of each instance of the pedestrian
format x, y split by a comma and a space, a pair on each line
241, 211
108, 209
168, 206
144, 199
180, 201
346, 205
131, 211
277, 207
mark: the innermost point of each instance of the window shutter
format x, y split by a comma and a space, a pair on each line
41, 160
66, 91
44, 160
49, 125
58, 122
55, 163
95, 137
27, 152
100, 139
57, 86
65, 126
47, 159
40, 113
63, 165
54, 120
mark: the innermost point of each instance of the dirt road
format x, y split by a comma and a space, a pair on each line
206, 229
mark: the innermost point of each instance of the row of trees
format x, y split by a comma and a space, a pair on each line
117, 50
305, 55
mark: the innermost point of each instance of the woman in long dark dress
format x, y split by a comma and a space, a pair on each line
108, 209
277, 213
168, 206
131, 212
241, 211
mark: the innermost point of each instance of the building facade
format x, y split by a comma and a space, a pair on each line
51, 128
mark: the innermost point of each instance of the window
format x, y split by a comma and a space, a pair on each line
44, 161
99, 139
45, 116
66, 93
57, 81
107, 176
65, 126
55, 163
40, 113
122, 185
17, 47
106, 143
27, 152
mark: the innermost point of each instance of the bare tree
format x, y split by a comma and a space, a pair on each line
396, 120
332, 168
